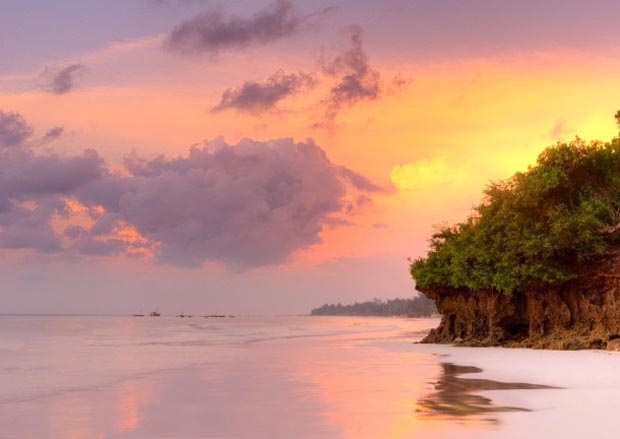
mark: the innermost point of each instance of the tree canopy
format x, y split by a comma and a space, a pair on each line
534, 228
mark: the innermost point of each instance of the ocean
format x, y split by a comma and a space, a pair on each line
291, 377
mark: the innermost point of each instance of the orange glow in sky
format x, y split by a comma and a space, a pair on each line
432, 125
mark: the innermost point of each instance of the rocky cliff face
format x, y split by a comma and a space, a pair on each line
581, 314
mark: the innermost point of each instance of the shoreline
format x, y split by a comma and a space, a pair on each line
355, 379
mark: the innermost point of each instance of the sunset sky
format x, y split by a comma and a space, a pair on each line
252, 156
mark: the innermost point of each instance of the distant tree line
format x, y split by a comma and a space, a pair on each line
419, 306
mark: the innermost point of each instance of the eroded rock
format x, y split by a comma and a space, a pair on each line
581, 314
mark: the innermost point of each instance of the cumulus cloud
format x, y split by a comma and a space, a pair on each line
32, 186
212, 32
245, 205
14, 130
101, 247
252, 204
358, 180
257, 97
357, 80
30, 226
64, 80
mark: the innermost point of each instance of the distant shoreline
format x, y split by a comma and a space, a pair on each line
418, 306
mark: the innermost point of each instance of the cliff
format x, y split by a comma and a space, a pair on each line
580, 314
537, 263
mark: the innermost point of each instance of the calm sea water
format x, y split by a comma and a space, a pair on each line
71, 377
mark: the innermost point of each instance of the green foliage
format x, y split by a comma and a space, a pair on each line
535, 228
417, 307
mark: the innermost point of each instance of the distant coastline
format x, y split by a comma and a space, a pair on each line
419, 306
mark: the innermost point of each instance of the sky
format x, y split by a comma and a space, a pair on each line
266, 157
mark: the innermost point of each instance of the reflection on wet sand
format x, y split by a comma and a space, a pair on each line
456, 398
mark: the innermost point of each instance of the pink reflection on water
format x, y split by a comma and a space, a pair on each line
343, 378
369, 388
130, 399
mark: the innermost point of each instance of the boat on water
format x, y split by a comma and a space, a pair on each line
155, 314
138, 315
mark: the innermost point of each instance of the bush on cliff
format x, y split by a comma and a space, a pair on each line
535, 228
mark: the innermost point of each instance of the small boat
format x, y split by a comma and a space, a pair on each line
138, 315
155, 314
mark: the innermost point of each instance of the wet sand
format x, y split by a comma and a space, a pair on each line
457, 397
580, 396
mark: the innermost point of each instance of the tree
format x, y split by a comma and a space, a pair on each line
535, 228
418, 306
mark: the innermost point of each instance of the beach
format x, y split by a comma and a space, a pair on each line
288, 377
583, 405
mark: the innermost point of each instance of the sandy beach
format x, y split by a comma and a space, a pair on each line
584, 404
